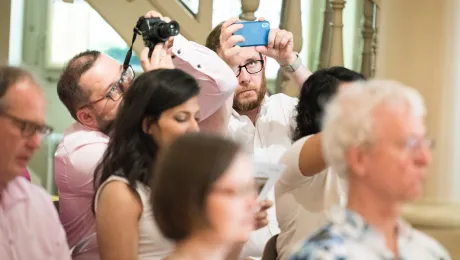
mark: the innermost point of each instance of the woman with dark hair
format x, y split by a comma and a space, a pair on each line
307, 188
158, 107
206, 202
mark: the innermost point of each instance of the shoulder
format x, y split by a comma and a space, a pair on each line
324, 244
117, 194
283, 99
292, 155
79, 136
433, 247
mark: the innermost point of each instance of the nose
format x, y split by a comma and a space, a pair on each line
193, 126
244, 77
423, 157
34, 141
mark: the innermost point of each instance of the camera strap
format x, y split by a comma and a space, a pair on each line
130, 51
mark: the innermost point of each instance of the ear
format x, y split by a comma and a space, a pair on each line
147, 125
87, 118
356, 161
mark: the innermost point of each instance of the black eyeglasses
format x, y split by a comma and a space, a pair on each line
252, 67
28, 128
117, 88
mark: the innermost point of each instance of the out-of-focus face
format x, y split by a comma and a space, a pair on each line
100, 83
231, 202
175, 122
396, 164
22, 115
252, 87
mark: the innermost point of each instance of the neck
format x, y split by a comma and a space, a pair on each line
377, 210
3, 185
252, 114
201, 246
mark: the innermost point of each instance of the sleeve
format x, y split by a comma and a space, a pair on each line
84, 160
216, 79
292, 176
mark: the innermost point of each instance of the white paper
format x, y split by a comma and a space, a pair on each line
266, 175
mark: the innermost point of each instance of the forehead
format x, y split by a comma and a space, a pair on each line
25, 99
239, 172
190, 105
104, 72
397, 122
249, 53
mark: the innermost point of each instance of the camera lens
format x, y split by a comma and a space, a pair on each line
169, 29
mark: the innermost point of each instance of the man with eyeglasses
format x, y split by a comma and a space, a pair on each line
261, 123
91, 87
29, 224
374, 135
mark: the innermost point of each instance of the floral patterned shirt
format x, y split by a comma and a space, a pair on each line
349, 237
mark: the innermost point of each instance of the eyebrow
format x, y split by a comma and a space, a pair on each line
112, 83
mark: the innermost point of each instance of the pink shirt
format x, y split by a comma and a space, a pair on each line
29, 225
81, 148
26, 174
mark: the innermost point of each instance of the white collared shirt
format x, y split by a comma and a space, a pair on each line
267, 141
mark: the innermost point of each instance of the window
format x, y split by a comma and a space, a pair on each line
79, 27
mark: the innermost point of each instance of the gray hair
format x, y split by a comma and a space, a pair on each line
349, 119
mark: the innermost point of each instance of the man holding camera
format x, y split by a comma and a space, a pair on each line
91, 87
260, 122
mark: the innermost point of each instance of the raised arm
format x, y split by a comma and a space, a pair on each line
216, 80
280, 47
311, 160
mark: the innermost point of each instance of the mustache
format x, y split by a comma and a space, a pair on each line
246, 89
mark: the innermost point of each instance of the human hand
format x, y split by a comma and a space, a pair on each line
230, 51
261, 215
161, 55
280, 46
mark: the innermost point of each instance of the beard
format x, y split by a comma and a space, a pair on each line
244, 106
105, 126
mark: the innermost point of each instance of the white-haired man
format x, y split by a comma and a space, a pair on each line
374, 132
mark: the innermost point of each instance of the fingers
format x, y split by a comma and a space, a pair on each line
260, 19
262, 49
265, 204
158, 54
228, 32
279, 39
283, 39
145, 63
152, 14
229, 22
169, 43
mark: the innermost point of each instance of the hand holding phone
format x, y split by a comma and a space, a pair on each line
255, 33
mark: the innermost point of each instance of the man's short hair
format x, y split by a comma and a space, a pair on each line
9, 76
350, 118
68, 87
213, 39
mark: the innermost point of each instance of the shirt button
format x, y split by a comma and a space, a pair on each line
199, 66
178, 51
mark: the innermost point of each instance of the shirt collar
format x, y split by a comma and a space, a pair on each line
16, 191
356, 226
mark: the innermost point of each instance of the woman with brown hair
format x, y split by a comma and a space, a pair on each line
204, 197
